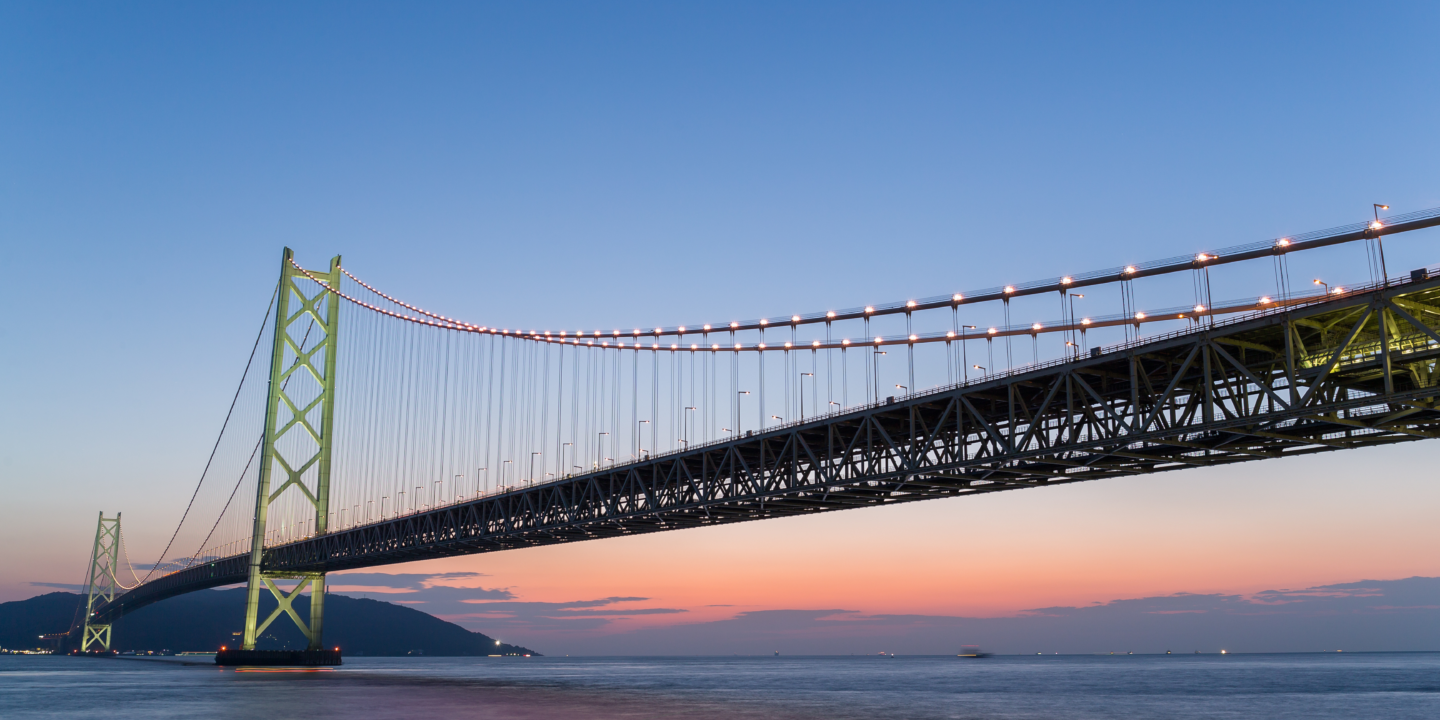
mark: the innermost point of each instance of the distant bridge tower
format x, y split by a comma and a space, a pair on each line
100, 581
299, 430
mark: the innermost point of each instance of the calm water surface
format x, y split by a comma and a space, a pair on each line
1393, 686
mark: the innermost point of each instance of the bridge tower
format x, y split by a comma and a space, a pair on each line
299, 435
100, 581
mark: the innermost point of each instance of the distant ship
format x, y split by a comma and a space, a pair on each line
972, 651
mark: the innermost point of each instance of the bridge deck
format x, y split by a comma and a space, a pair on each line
1352, 371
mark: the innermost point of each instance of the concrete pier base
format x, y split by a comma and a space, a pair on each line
292, 658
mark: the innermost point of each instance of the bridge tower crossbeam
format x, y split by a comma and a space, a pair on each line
296, 448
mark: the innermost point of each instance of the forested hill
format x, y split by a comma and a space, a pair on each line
205, 620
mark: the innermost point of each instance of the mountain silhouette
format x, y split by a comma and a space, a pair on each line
208, 619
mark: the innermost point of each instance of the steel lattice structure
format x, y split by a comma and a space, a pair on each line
1348, 371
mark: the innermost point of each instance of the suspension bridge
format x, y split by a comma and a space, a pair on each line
380, 433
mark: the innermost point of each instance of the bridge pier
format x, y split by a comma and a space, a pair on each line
271, 658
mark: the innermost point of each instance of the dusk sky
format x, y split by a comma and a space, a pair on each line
559, 164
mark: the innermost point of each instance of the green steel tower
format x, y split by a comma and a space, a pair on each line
299, 435
100, 581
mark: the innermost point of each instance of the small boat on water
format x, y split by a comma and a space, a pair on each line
972, 651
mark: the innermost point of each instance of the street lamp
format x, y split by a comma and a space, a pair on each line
1384, 276
965, 352
981, 369
802, 393
1318, 281
1073, 298
878, 353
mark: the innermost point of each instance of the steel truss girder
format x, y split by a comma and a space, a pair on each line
1351, 372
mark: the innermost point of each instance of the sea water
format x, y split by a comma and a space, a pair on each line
1394, 686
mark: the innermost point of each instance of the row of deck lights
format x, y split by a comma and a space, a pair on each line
950, 334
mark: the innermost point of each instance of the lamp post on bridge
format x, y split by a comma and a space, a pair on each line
965, 350
1379, 243
802, 392
876, 384
1073, 297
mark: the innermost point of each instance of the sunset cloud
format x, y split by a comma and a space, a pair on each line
1368, 615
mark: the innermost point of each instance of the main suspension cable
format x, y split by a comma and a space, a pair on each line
223, 425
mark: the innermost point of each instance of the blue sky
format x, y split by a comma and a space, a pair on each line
598, 163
